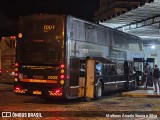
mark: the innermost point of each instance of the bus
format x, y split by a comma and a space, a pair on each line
64, 56
7, 51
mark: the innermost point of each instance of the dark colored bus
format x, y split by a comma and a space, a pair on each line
52, 52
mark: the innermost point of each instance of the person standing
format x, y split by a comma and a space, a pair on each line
156, 76
147, 74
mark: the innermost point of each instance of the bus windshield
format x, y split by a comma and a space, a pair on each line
40, 51
42, 40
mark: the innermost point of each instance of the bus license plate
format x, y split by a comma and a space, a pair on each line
37, 92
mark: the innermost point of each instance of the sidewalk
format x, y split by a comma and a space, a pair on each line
141, 92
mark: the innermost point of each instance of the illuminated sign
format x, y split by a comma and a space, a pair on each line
38, 81
47, 28
53, 77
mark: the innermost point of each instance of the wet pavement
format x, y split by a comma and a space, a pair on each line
109, 107
142, 92
149, 92
6, 86
139, 92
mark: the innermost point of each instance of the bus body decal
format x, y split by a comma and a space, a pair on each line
38, 81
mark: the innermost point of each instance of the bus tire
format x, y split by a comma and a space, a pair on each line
98, 90
135, 85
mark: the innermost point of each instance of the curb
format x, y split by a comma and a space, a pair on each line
142, 93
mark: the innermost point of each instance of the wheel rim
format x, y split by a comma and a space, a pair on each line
99, 90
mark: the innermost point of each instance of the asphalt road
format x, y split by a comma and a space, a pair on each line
109, 107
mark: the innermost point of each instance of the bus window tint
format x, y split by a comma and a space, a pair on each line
120, 68
82, 70
42, 39
99, 68
40, 51
111, 70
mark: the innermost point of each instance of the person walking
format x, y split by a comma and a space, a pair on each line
146, 75
156, 76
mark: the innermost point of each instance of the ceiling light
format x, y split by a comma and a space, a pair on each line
153, 46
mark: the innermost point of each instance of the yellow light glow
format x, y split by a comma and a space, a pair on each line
20, 35
16, 79
62, 71
62, 82
16, 69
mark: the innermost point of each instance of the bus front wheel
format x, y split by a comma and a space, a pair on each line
98, 90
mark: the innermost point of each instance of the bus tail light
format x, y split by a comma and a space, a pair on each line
62, 66
61, 79
13, 37
62, 76
56, 92
15, 79
62, 82
62, 72
20, 35
17, 89
16, 69
16, 74
16, 64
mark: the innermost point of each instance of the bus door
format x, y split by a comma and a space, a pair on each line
87, 79
87, 83
90, 78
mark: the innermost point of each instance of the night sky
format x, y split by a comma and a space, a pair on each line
10, 10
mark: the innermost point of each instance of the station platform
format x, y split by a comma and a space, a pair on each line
142, 92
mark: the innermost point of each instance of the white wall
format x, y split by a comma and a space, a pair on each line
153, 53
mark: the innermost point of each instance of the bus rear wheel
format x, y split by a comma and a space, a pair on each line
98, 90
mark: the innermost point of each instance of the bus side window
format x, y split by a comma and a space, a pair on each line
82, 70
111, 70
99, 69
108, 68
